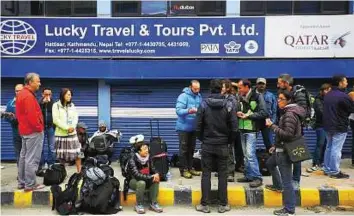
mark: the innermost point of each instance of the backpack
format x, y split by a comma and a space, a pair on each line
309, 101
54, 175
64, 201
124, 157
262, 157
103, 199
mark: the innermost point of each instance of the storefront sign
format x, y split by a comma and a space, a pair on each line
132, 37
310, 37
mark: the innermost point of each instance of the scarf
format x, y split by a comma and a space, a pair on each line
142, 160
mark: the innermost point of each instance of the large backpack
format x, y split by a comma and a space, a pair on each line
158, 152
54, 175
65, 201
302, 89
124, 158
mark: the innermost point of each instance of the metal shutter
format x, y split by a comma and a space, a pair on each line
85, 98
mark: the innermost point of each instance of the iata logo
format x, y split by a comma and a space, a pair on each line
16, 37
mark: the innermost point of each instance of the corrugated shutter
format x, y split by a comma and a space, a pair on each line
85, 98
135, 102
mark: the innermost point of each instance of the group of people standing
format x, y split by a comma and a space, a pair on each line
32, 121
233, 115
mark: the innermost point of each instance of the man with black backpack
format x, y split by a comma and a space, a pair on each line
302, 98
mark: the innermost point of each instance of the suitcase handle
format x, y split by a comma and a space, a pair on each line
158, 126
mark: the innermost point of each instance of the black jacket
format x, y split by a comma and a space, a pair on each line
289, 125
318, 107
337, 108
134, 167
301, 99
216, 121
47, 112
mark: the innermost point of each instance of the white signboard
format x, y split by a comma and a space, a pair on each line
309, 36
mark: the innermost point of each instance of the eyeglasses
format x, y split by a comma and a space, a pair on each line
281, 99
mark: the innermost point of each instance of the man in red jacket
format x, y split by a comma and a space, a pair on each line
30, 119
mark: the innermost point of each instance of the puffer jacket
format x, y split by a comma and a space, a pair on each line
64, 118
185, 101
134, 167
289, 125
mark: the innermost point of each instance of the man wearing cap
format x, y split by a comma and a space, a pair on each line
271, 105
102, 129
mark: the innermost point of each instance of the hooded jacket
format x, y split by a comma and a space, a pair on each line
64, 118
289, 125
216, 121
186, 101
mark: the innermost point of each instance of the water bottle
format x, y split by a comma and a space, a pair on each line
169, 176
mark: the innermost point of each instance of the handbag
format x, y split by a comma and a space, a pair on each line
297, 150
54, 175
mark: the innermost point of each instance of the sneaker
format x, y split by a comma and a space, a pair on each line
283, 212
230, 179
139, 209
244, 180
340, 175
223, 209
312, 169
36, 187
194, 172
202, 208
155, 207
20, 187
273, 188
296, 185
256, 183
186, 174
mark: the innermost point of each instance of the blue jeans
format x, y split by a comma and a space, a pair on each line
320, 147
283, 179
249, 141
49, 136
333, 154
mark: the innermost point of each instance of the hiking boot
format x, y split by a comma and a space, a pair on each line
244, 180
186, 174
223, 209
283, 212
155, 207
340, 175
139, 209
36, 187
256, 183
230, 179
202, 208
194, 172
273, 188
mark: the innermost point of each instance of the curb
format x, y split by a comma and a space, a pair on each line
238, 196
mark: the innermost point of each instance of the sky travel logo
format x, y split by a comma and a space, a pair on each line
16, 37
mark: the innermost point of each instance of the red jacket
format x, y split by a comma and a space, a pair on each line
28, 113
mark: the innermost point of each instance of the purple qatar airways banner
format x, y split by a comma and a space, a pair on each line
132, 37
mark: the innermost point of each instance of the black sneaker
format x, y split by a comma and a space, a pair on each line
244, 180
256, 183
283, 212
340, 175
273, 188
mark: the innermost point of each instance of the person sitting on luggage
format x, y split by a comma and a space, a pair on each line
102, 129
143, 176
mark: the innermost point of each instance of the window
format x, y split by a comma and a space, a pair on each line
22, 8
307, 7
279, 8
71, 8
252, 8
211, 8
154, 8
126, 8
335, 7
182, 8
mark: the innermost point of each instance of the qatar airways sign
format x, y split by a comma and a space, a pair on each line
309, 37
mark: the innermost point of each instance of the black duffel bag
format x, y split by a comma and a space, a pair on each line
54, 175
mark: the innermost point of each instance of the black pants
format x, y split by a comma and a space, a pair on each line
214, 155
267, 139
352, 127
187, 141
231, 160
239, 158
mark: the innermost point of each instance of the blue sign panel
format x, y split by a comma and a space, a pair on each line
132, 37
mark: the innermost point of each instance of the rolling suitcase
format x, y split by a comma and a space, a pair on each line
158, 152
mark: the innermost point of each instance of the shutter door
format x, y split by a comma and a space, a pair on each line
85, 98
